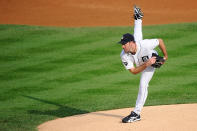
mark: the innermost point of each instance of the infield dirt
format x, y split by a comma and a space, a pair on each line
154, 118
74, 13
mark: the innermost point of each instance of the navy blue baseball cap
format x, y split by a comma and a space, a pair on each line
126, 38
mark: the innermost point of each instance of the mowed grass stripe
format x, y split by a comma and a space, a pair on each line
49, 72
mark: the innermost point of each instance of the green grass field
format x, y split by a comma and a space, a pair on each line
49, 72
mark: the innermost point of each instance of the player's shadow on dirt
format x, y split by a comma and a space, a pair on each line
62, 111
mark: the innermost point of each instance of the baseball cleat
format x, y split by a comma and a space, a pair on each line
131, 118
137, 13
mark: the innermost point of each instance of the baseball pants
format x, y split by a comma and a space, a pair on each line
146, 75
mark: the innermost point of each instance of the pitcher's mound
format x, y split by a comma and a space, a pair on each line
153, 118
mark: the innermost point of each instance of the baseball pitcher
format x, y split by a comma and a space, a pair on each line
137, 56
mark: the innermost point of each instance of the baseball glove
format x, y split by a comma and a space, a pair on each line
158, 62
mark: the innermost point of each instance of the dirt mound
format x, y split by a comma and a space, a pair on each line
94, 12
154, 118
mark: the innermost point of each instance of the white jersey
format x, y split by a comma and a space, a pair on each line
145, 48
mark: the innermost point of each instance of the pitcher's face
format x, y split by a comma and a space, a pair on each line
129, 47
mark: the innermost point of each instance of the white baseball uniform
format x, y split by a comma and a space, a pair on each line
145, 48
